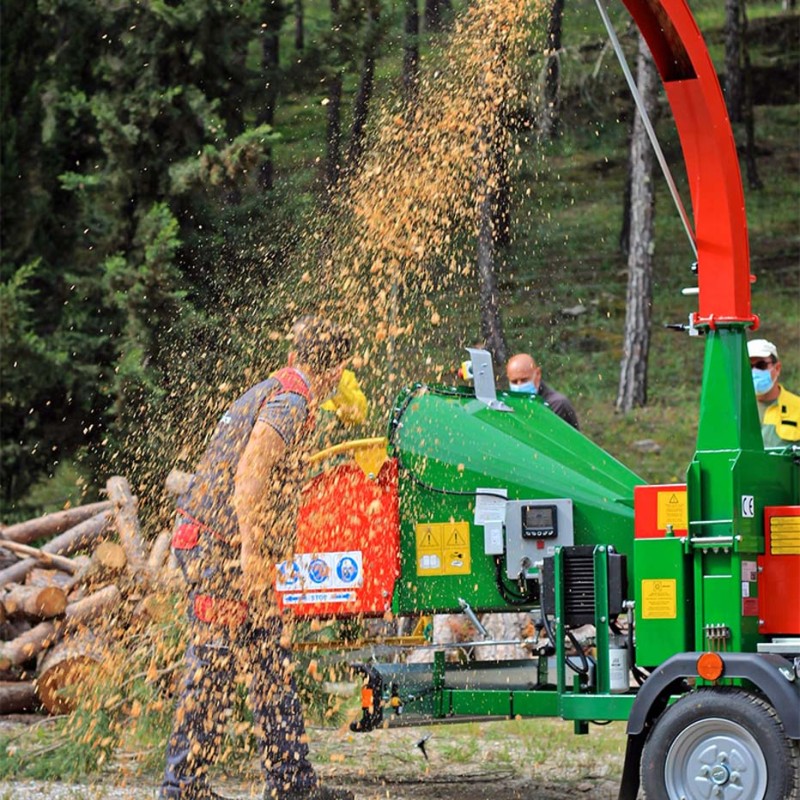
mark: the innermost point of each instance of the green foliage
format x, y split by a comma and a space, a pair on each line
27, 364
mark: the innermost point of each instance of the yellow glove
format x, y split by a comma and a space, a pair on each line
349, 403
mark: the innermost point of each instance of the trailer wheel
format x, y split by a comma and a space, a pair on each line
719, 744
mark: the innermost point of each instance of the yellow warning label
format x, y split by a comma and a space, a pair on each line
784, 536
443, 548
672, 509
659, 598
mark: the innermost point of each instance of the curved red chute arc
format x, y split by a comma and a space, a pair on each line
709, 150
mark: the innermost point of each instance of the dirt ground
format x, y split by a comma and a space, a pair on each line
537, 760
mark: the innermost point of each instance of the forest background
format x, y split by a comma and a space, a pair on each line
174, 179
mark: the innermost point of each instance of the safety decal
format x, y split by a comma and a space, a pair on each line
321, 572
443, 548
672, 509
784, 536
659, 598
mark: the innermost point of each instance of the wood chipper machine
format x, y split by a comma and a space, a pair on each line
485, 501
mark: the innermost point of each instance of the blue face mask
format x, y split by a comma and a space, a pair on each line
523, 388
762, 380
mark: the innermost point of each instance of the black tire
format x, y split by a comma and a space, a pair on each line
719, 744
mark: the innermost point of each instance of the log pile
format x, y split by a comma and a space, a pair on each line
56, 598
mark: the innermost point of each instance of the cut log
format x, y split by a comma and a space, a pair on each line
17, 697
41, 576
87, 609
106, 563
71, 541
12, 628
126, 521
159, 552
40, 555
35, 601
27, 645
63, 672
109, 557
52, 524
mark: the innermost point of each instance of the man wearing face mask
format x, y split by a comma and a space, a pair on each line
525, 376
778, 408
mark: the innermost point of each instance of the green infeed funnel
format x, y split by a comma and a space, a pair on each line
488, 487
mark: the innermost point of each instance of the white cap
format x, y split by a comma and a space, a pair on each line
761, 348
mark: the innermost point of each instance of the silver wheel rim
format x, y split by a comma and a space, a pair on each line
715, 759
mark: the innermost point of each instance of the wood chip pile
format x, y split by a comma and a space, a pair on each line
94, 567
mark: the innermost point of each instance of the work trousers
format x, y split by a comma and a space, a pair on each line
225, 640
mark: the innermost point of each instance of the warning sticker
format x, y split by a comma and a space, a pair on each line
672, 509
659, 598
443, 548
784, 536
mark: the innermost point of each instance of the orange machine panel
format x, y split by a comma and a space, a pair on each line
348, 545
659, 505
779, 572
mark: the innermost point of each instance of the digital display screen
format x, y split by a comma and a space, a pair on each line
539, 522
539, 516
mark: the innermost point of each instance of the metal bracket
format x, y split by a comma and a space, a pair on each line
483, 376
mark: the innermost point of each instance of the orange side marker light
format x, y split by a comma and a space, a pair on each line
710, 666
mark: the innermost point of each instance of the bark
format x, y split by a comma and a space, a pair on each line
491, 322
37, 602
365, 88
63, 672
411, 51
91, 607
733, 59
159, 552
52, 524
550, 109
633, 368
333, 133
433, 15
753, 178
27, 645
39, 576
17, 697
39, 556
270, 60
127, 524
625, 228
77, 538
501, 199
333, 161
299, 28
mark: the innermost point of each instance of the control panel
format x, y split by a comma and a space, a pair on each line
534, 528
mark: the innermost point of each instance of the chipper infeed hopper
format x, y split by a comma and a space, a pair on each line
489, 490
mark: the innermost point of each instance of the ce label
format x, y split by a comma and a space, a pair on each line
748, 505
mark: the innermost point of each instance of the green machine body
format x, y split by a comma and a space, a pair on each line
487, 490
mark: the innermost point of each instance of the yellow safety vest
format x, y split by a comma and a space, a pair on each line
781, 423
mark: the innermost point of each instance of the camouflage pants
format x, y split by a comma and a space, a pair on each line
224, 641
